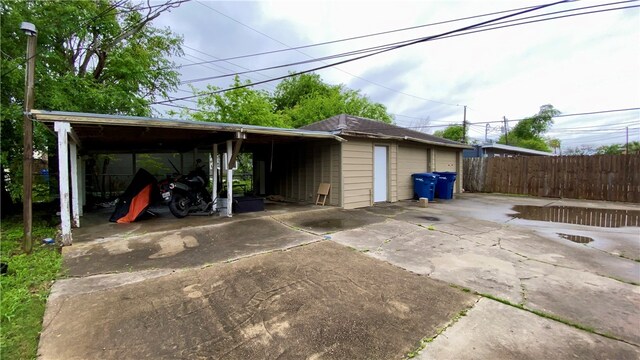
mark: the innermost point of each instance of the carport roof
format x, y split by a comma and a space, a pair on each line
117, 133
349, 125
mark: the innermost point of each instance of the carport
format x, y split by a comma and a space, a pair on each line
291, 159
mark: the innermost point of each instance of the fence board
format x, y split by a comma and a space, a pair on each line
598, 177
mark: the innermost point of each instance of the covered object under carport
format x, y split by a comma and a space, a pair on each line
292, 162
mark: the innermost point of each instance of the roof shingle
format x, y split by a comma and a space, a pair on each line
354, 125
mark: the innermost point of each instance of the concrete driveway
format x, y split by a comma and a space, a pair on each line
462, 279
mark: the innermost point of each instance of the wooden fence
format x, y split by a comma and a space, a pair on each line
598, 177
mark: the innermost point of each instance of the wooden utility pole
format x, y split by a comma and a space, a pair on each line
27, 168
506, 130
464, 126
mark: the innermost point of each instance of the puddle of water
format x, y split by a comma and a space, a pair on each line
576, 238
578, 215
431, 218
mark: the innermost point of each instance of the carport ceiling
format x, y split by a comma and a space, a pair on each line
100, 133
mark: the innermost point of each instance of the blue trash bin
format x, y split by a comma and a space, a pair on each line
444, 185
424, 185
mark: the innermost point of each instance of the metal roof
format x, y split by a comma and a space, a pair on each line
361, 127
516, 149
118, 133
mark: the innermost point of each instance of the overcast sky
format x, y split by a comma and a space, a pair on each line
579, 64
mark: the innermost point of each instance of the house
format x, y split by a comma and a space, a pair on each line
494, 149
365, 161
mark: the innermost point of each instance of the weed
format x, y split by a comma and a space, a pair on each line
431, 227
426, 340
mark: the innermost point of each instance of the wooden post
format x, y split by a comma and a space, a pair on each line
229, 179
62, 128
75, 208
27, 163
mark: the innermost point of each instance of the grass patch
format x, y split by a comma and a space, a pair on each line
25, 287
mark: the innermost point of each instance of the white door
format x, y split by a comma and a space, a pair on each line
379, 173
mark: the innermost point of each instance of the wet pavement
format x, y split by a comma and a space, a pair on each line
578, 215
227, 288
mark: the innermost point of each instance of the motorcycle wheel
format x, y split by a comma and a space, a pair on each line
179, 205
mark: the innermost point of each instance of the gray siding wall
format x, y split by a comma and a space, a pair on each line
299, 168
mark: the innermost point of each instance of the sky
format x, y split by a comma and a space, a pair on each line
578, 64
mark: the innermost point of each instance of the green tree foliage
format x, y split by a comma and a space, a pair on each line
554, 144
239, 106
613, 149
297, 101
305, 98
453, 132
98, 56
528, 133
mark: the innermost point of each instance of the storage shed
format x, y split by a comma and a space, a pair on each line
377, 159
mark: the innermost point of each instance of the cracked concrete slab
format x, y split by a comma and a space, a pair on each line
515, 262
182, 248
492, 330
316, 296
321, 300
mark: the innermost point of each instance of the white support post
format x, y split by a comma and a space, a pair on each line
82, 178
229, 179
62, 128
75, 207
214, 174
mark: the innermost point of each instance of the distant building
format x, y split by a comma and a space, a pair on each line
491, 150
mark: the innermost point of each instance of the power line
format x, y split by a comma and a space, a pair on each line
390, 46
378, 47
366, 35
436, 37
429, 38
567, 115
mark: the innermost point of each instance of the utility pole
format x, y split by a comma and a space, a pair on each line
506, 130
27, 126
486, 134
464, 126
627, 140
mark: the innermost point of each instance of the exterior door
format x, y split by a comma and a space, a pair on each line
380, 188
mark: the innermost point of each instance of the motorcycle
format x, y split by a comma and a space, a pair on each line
188, 194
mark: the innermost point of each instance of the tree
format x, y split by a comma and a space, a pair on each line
306, 98
453, 132
613, 149
555, 144
297, 101
240, 106
634, 147
92, 56
528, 133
